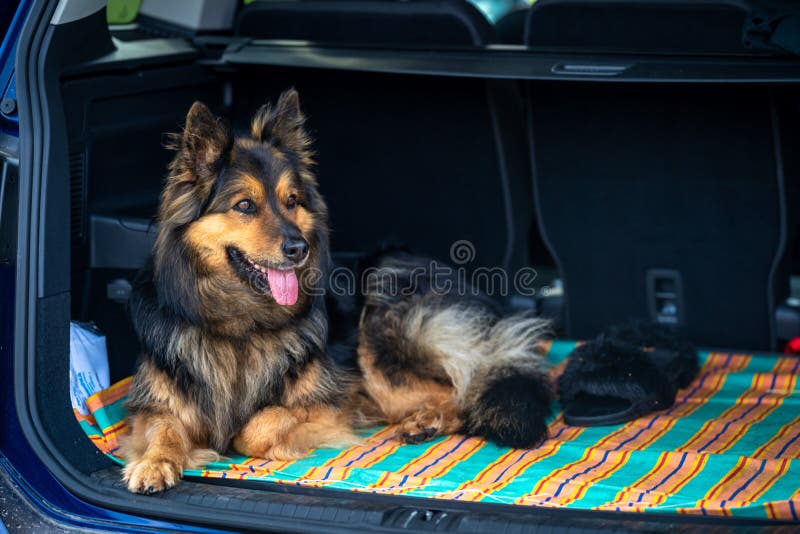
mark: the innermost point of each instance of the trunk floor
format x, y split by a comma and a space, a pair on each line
730, 446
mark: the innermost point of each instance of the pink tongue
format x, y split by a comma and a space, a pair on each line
283, 285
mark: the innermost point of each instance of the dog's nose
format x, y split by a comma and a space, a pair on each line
294, 249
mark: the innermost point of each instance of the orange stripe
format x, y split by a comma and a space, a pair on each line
370, 457
445, 446
448, 446
719, 501
779, 441
384, 453
585, 485
727, 481
375, 458
543, 347
109, 395
541, 454
782, 509
500, 462
476, 489
381, 481
716, 428
354, 452
768, 405
771, 512
754, 495
564, 469
712, 426
505, 461
475, 445
786, 364
652, 489
624, 494
85, 418
429, 454
575, 489
670, 489
122, 385
361, 456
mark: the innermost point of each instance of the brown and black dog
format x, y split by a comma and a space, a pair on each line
233, 326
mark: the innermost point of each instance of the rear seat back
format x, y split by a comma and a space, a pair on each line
367, 22
425, 156
660, 201
510, 28
669, 26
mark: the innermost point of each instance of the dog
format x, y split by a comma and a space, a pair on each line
231, 316
233, 351
439, 357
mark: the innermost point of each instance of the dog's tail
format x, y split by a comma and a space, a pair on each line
499, 377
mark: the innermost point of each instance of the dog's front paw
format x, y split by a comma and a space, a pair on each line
151, 476
421, 426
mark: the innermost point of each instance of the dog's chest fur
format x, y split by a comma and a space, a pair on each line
220, 382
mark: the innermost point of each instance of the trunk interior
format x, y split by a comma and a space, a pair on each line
411, 161
607, 190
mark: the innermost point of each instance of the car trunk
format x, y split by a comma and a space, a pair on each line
496, 149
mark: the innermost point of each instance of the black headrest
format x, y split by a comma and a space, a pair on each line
510, 28
682, 26
367, 22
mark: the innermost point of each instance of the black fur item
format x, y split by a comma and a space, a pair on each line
682, 364
644, 364
469, 366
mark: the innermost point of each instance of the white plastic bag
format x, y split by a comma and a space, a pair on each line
88, 364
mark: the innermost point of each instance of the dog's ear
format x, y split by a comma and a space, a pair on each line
282, 126
205, 139
193, 171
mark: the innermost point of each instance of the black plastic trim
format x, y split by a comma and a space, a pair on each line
515, 518
502, 167
516, 63
780, 251
537, 205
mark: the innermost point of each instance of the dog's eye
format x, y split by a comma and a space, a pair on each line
291, 202
245, 206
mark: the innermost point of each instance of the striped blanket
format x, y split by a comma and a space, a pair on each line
729, 446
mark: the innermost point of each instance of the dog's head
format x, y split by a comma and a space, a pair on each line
241, 219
